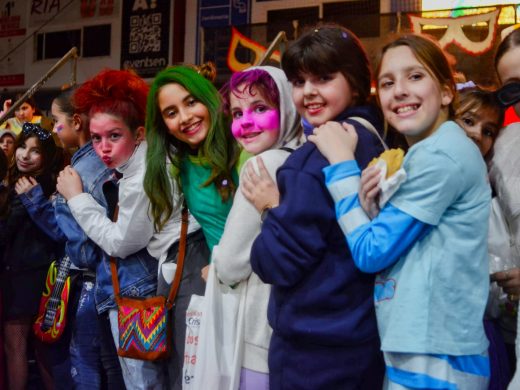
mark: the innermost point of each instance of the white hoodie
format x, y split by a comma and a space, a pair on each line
231, 256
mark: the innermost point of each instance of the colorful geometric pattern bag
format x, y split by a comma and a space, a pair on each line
144, 323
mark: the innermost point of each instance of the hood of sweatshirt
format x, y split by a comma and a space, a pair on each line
291, 133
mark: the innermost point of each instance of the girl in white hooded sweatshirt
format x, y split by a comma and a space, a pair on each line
266, 124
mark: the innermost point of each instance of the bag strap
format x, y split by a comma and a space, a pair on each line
180, 260
370, 127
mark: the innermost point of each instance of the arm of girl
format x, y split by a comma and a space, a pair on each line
232, 255
287, 234
259, 188
133, 229
39, 207
337, 142
429, 191
375, 244
69, 183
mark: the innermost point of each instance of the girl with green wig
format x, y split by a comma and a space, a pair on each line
190, 147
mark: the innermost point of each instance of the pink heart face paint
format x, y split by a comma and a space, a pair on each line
256, 123
63, 127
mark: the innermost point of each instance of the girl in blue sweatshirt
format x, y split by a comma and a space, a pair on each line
428, 242
321, 308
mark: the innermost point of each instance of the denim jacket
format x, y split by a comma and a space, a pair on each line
137, 268
58, 222
140, 269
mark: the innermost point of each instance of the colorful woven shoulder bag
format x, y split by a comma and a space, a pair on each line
144, 323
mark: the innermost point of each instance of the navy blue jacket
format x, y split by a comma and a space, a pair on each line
318, 294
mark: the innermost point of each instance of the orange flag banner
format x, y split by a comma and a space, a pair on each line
237, 39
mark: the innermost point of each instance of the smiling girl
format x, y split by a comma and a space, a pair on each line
426, 243
265, 122
191, 148
28, 251
320, 307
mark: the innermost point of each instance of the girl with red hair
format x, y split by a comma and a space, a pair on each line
115, 102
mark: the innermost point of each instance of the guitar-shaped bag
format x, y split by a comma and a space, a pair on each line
52, 314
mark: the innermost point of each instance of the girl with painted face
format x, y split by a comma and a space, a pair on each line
504, 174
431, 329
115, 103
321, 307
191, 148
28, 251
265, 123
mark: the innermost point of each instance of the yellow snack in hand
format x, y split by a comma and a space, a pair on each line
393, 158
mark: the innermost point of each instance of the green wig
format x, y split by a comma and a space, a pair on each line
219, 148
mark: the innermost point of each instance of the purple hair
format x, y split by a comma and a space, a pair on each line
258, 78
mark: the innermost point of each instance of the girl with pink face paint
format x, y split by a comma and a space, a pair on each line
265, 123
256, 119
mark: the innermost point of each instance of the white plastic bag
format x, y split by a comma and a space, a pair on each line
193, 320
220, 341
390, 185
500, 256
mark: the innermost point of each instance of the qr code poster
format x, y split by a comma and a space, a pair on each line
145, 36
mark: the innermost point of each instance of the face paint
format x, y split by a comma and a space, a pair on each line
256, 124
59, 128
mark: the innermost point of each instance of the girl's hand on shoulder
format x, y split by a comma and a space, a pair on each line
259, 189
69, 183
337, 142
369, 191
25, 184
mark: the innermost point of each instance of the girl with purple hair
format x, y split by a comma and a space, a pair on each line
265, 123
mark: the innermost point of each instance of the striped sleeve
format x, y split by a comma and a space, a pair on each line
375, 244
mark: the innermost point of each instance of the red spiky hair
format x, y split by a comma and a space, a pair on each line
117, 92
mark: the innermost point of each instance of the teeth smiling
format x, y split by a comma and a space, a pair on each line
191, 127
250, 135
313, 106
404, 109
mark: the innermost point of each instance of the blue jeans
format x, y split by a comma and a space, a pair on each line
138, 374
85, 343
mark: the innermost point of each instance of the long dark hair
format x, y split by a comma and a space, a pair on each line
52, 160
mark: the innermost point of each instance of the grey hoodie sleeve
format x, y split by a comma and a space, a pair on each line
231, 255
